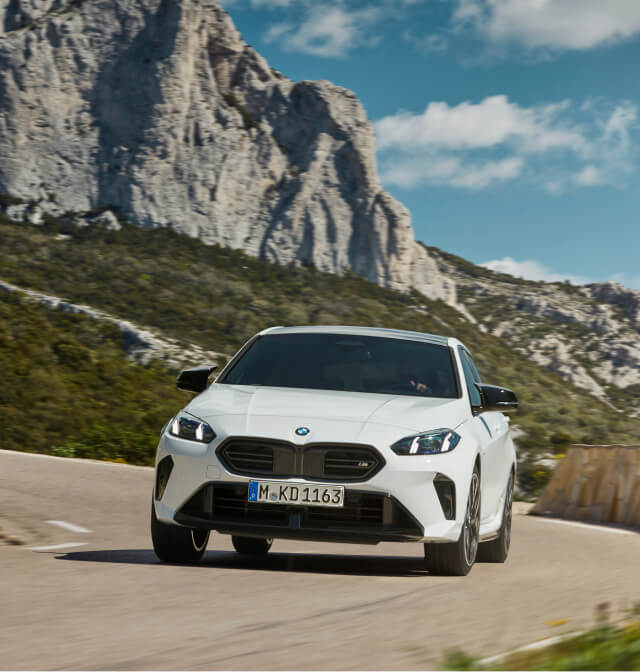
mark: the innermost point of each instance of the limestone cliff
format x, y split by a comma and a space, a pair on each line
158, 109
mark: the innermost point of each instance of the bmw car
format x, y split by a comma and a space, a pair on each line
339, 434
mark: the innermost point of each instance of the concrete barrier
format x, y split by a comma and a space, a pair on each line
595, 483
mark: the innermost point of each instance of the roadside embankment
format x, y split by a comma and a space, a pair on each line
595, 483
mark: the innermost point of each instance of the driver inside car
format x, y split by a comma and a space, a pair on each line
413, 378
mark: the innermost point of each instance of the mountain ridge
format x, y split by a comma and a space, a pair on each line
156, 112
158, 109
588, 334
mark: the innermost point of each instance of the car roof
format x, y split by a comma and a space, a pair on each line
363, 331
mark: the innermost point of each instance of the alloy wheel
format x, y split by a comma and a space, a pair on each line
508, 509
471, 530
199, 539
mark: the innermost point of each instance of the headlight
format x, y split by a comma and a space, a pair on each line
427, 443
187, 427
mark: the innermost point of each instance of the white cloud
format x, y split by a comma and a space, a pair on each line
330, 31
551, 24
534, 270
434, 42
475, 145
271, 3
451, 171
531, 270
276, 31
618, 125
258, 4
588, 176
490, 122
482, 175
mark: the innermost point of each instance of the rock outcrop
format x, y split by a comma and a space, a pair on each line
159, 110
588, 335
615, 294
141, 344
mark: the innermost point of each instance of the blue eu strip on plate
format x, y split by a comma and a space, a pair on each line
253, 491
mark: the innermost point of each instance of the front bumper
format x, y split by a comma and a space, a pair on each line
398, 503
367, 517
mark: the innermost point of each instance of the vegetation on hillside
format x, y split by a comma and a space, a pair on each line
555, 322
474, 271
67, 388
605, 647
218, 298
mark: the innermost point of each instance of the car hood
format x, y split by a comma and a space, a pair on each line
275, 412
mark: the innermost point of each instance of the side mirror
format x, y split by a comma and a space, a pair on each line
195, 380
496, 398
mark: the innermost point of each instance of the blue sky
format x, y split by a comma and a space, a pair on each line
509, 128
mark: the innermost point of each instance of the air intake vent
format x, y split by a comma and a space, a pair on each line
446, 490
163, 471
359, 509
369, 516
230, 502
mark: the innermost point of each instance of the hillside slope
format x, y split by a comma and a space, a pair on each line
68, 388
159, 110
140, 344
217, 298
588, 335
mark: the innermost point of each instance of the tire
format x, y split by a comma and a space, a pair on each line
497, 549
251, 545
457, 558
171, 543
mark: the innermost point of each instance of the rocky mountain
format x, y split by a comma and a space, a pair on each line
159, 110
589, 335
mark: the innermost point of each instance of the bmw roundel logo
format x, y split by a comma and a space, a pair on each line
302, 431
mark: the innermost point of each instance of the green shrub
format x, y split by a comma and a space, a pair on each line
68, 389
604, 648
248, 120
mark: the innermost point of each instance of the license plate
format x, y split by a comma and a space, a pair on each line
276, 492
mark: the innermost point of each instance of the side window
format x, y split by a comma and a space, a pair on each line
474, 368
471, 376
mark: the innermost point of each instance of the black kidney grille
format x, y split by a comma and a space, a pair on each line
350, 464
249, 458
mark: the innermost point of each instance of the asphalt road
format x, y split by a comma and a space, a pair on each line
110, 604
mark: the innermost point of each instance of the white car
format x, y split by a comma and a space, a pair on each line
346, 434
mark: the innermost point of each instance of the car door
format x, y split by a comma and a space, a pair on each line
490, 429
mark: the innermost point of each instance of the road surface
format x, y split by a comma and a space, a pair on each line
108, 603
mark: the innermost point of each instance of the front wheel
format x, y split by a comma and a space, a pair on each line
171, 543
251, 545
497, 549
457, 559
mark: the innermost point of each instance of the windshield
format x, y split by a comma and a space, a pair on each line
347, 362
